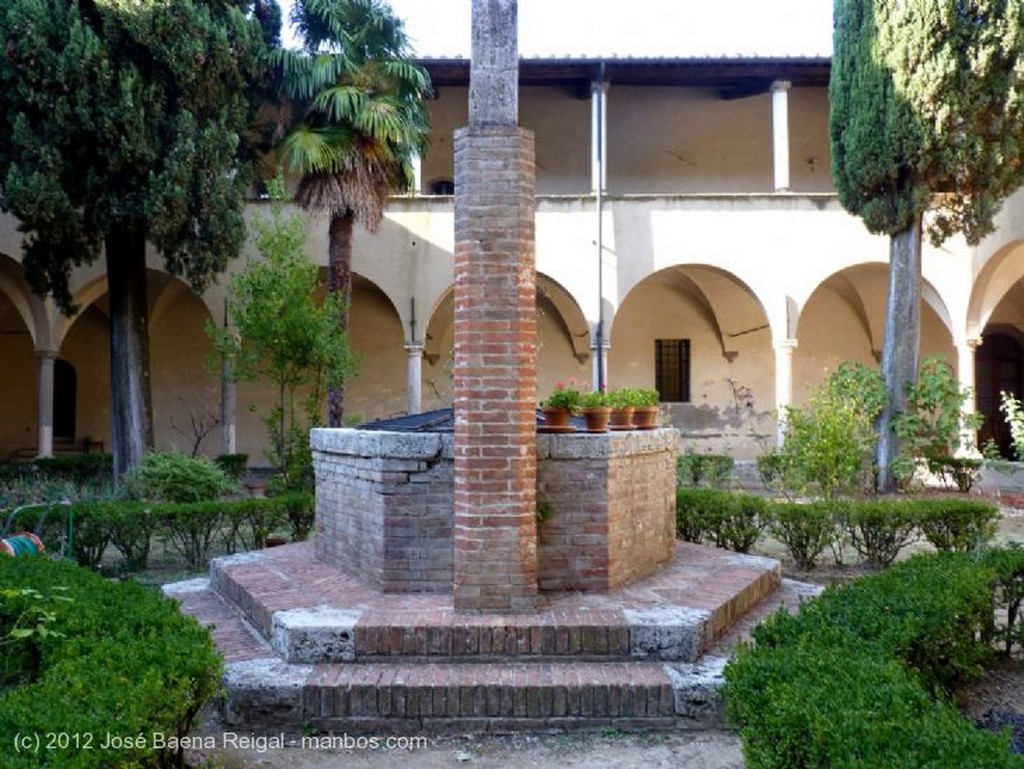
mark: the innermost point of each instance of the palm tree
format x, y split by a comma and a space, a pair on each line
356, 118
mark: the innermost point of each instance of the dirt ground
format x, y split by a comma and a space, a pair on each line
677, 750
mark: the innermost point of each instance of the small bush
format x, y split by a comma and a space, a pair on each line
731, 520
708, 470
694, 508
191, 529
177, 477
959, 525
879, 530
116, 659
955, 472
1008, 566
233, 465
805, 530
738, 524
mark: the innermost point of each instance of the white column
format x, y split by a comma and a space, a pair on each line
598, 136
44, 401
783, 384
414, 374
965, 350
228, 439
780, 133
417, 174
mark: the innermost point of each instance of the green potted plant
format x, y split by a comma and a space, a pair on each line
645, 408
560, 405
596, 411
621, 402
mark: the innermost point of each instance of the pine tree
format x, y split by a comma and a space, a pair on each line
927, 116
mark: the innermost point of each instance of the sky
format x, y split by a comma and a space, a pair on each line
441, 28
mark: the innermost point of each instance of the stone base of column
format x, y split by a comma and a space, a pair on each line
495, 526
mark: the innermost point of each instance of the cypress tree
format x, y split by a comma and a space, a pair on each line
927, 115
121, 124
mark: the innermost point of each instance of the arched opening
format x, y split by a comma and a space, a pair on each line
997, 369
844, 320
700, 335
65, 401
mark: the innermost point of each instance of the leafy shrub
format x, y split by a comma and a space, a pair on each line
177, 477
298, 508
959, 472
131, 526
117, 659
233, 465
77, 468
879, 530
1010, 405
730, 520
849, 680
190, 529
829, 445
931, 425
805, 530
959, 525
737, 524
710, 470
846, 707
1008, 566
694, 509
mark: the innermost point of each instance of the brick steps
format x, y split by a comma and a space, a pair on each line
311, 613
474, 696
307, 646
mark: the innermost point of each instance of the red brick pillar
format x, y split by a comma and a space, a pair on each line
495, 373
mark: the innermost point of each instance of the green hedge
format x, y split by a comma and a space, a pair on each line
99, 658
861, 677
732, 520
191, 530
878, 529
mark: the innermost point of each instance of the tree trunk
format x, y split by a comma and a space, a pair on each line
901, 349
339, 281
131, 405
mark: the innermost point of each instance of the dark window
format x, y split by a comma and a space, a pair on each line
672, 369
442, 187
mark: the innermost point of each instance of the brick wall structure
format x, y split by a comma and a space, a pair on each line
385, 505
495, 373
610, 505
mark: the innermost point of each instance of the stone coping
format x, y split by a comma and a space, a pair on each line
432, 447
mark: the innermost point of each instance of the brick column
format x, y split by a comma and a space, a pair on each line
495, 382
495, 371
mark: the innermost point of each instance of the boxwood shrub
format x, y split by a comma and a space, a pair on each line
862, 676
99, 658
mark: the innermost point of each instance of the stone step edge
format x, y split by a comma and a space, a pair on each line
327, 634
271, 694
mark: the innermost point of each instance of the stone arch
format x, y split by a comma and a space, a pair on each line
843, 318
704, 326
568, 317
564, 342
28, 306
1000, 276
729, 306
379, 389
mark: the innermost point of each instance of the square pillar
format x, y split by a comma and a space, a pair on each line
495, 376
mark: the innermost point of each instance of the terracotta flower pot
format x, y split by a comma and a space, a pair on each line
621, 419
597, 419
646, 417
556, 419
